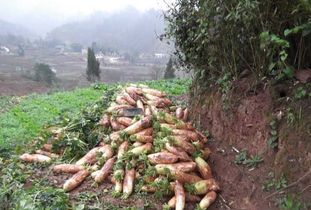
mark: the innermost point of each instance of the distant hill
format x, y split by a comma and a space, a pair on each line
128, 30
7, 28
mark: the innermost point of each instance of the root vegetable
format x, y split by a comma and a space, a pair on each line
138, 126
193, 136
180, 196
186, 178
122, 149
162, 158
121, 100
94, 174
134, 90
179, 113
206, 152
49, 154
204, 186
67, 168
47, 147
126, 121
129, 99
181, 154
105, 121
154, 109
172, 202
151, 97
203, 168
182, 166
75, 181
192, 198
118, 176
168, 126
115, 125
137, 144
118, 107
153, 92
208, 199
34, 158
90, 157
141, 138
140, 105
141, 149
189, 198
128, 183
104, 171
168, 118
181, 142
148, 189
148, 111
146, 132
198, 144
186, 115
202, 137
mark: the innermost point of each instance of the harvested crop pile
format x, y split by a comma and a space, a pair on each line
143, 143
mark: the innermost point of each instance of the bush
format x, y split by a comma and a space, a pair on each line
44, 73
217, 38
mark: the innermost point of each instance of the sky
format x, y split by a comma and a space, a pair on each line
42, 15
68, 8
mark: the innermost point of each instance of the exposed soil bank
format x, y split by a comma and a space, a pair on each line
244, 125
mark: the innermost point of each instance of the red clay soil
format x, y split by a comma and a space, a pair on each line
18, 86
245, 126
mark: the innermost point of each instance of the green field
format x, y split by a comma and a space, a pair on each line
22, 118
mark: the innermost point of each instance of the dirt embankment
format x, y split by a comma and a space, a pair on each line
245, 125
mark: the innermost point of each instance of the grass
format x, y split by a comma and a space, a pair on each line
22, 122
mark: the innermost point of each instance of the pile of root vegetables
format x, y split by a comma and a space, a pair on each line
156, 151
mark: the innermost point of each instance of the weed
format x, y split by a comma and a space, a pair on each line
253, 161
288, 203
273, 183
243, 159
273, 138
290, 116
300, 93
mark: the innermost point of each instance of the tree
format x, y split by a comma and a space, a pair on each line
43, 73
20, 51
93, 70
169, 71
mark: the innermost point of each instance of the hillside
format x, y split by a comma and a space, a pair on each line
8, 28
127, 30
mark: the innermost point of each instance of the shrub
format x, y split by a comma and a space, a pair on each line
44, 73
217, 37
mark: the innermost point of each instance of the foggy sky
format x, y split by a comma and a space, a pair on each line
41, 16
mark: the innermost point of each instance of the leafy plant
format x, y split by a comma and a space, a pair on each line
273, 183
217, 38
253, 161
273, 136
300, 93
243, 159
290, 116
288, 203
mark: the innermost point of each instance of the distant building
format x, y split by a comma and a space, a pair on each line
4, 50
161, 55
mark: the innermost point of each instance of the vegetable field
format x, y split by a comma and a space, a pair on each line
24, 126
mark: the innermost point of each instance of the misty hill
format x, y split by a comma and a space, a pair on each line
127, 30
7, 28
